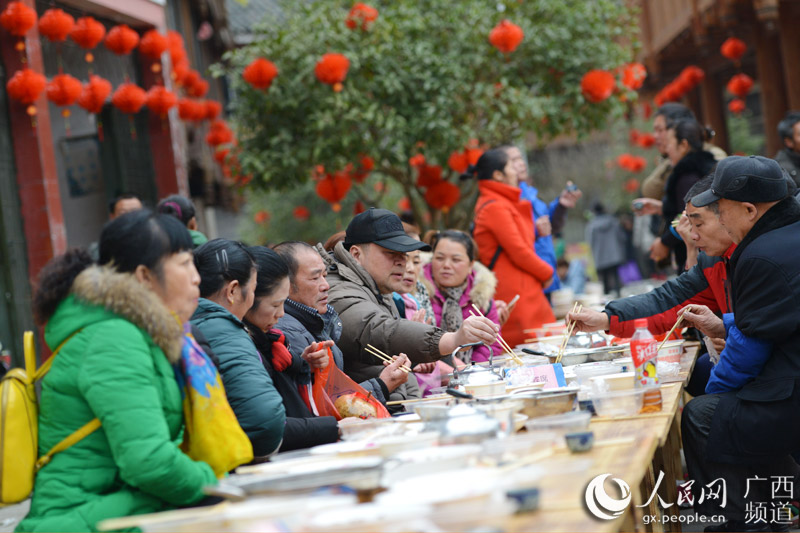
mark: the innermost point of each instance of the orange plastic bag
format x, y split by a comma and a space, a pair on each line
322, 402
347, 397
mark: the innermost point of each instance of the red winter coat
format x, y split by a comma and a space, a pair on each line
504, 220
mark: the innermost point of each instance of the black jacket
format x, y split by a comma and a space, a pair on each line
692, 168
303, 429
761, 421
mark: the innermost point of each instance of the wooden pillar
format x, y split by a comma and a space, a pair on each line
788, 22
36, 175
771, 79
713, 105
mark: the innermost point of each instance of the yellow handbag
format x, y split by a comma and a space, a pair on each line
19, 430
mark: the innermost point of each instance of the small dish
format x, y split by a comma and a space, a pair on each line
580, 441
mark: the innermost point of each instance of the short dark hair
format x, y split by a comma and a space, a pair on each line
220, 261
288, 252
112, 205
55, 281
271, 268
460, 237
491, 160
786, 125
700, 186
691, 131
673, 111
178, 206
142, 238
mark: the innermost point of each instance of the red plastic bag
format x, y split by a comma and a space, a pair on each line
345, 396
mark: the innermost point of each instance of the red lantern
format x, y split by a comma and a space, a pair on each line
740, 85
631, 186
261, 217
506, 36
221, 154
160, 100
213, 109
646, 140
365, 165
358, 208
87, 32
301, 212
404, 204
129, 98
733, 48
198, 88
597, 85
176, 46
94, 94
333, 189
55, 24
637, 164
17, 18
736, 106
219, 133
191, 110
625, 161
416, 160
429, 175
442, 195
361, 15
332, 69
153, 44
260, 73
121, 39
26, 85
63, 90
633, 76
180, 71
458, 162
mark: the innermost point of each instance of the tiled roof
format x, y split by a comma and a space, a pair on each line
242, 16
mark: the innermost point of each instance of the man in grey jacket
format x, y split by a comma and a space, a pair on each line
309, 318
364, 271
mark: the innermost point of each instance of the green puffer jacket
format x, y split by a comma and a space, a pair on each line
114, 368
253, 397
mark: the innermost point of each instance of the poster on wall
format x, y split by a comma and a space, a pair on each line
82, 165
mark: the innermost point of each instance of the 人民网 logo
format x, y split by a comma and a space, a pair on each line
602, 505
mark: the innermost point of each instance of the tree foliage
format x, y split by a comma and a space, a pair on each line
423, 78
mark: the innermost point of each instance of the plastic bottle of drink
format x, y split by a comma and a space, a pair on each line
644, 350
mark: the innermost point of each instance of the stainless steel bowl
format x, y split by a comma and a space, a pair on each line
546, 403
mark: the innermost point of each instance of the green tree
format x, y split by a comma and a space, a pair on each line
423, 78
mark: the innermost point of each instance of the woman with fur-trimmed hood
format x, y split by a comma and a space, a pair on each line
455, 281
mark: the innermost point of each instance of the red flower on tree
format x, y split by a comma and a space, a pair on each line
506, 36
740, 85
301, 212
332, 69
87, 33
63, 90
153, 44
94, 93
416, 160
17, 18
442, 195
26, 85
160, 100
260, 73
361, 15
261, 217
121, 39
597, 85
55, 24
333, 188
129, 98
733, 48
633, 76
736, 106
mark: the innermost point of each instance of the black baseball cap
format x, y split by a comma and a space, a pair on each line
751, 179
381, 227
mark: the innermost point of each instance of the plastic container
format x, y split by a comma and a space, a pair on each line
563, 423
589, 370
618, 402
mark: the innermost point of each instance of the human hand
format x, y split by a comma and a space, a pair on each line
570, 195
719, 344
477, 329
391, 375
704, 319
588, 320
418, 316
502, 311
647, 206
658, 251
546, 284
316, 354
684, 229
543, 226
424, 368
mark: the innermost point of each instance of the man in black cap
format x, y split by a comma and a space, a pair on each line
364, 271
749, 421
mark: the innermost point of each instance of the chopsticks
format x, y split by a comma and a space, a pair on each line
503, 343
576, 308
677, 322
383, 357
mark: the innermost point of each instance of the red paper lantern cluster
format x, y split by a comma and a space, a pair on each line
55, 24
733, 49
740, 85
94, 93
121, 39
631, 163
333, 188
597, 85
26, 85
633, 76
687, 80
361, 16
219, 133
442, 195
428, 175
260, 73
160, 100
129, 98
153, 44
17, 18
736, 106
63, 90
365, 165
506, 36
332, 69
87, 34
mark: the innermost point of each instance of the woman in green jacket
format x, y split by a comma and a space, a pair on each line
228, 282
121, 331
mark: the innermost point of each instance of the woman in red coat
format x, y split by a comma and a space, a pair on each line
505, 236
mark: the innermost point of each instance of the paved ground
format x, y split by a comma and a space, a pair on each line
11, 515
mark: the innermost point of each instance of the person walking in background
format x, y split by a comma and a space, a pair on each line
789, 156
505, 236
120, 205
606, 238
183, 209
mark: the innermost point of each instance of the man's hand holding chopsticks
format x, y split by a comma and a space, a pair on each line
588, 320
704, 319
392, 376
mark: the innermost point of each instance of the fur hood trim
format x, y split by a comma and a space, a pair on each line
483, 288
123, 295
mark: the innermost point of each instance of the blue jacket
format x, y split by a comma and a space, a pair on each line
544, 245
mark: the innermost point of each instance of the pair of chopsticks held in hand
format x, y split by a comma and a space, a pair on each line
500, 339
576, 308
383, 357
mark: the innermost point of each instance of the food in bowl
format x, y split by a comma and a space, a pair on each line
354, 405
618, 402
